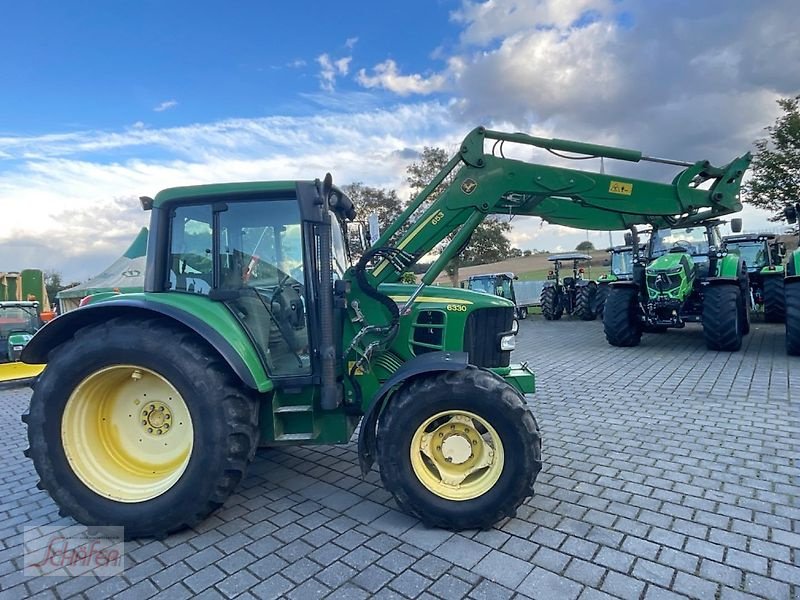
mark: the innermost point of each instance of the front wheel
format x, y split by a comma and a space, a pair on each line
792, 294
600, 299
774, 299
621, 321
723, 310
136, 423
459, 450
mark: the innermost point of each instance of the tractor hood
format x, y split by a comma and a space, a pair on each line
671, 262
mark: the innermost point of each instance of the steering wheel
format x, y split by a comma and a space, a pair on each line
685, 244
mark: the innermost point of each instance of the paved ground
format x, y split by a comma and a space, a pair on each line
670, 472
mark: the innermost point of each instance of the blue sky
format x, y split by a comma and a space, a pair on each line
101, 102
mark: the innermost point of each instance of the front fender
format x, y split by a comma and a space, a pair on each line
239, 354
430, 362
729, 266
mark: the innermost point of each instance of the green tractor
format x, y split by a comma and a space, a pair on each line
254, 329
685, 275
573, 294
763, 254
620, 266
18, 322
499, 284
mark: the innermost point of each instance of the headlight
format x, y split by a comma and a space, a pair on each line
515, 327
508, 342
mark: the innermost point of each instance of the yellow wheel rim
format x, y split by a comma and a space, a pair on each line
127, 433
457, 455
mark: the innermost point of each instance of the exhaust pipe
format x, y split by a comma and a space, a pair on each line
331, 396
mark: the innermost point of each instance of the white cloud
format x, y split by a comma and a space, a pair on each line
166, 105
387, 76
350, 43
330, 69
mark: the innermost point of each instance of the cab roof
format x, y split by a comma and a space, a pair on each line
219, 189
569, 256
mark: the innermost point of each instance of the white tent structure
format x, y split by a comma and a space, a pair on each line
125, 275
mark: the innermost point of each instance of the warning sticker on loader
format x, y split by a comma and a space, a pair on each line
620, 187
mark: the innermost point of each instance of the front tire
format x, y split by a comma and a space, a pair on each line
552, 306
774, 299
723, 307
459, 450
621, 321
584, 300
137, 423
792, 294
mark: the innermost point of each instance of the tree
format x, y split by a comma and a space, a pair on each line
526, 252
585, 246
488, 242
776, 165
368, 200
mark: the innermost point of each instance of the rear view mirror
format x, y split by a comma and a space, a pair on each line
628, 238
736, 225
357, 237
790, 212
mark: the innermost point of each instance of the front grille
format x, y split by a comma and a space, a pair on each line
672, 282
481, 336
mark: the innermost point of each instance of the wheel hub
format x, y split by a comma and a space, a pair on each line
156, 418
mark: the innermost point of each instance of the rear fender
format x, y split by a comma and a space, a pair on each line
430, 362
62, 328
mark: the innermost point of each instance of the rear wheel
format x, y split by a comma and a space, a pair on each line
459, 450
792, 294
621, 321
552, 306
127, 430
723, 307
774, 300
584, 301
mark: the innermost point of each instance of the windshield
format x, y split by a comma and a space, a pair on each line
482, 284
622, 263
752, 253
692, 239
16, 318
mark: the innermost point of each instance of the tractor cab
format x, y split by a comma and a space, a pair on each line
18, 322
762, 254
497, 284
758, 250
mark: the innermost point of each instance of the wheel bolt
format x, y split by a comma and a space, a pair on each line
438, 447
161, 408
166, 416
149, 430
159, 431
152, 407
474, 442
448, 459
144, 422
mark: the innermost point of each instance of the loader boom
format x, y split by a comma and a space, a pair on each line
489, 183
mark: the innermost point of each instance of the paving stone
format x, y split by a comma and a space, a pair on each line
410, 584
545, 584
503, 569
450, 588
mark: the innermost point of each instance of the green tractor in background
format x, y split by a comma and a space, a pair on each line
254, 329
574, 295
685, 275
18, 322
620, 265
499, 284
763, 254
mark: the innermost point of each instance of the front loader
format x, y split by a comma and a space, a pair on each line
254, 329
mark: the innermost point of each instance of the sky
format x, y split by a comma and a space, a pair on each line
102, 102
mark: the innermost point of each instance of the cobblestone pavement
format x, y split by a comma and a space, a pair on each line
670, 472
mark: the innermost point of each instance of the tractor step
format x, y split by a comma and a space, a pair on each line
295, 409
295, 437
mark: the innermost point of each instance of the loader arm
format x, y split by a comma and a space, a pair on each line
490, 184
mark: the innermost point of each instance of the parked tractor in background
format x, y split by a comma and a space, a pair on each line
253, 328
499, 284
620, 265
574, 295
685, 275
763, 254
791, 287
18, 322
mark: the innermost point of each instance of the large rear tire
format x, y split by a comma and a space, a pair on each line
723, 307
621, 321
584, 301
774, 299
137, 423
792, 295
552, 306
459, 450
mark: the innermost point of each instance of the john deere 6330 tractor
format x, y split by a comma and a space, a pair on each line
254, 329
685, 275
